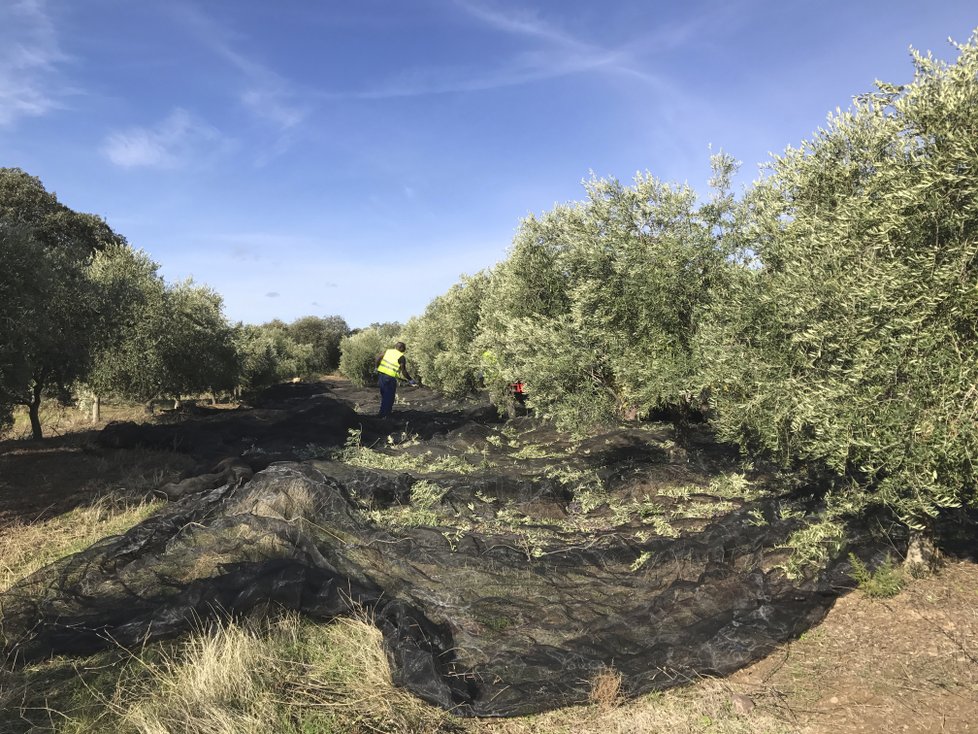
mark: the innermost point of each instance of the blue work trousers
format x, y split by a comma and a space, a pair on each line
388, 387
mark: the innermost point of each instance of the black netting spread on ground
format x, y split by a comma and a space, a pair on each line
514, 614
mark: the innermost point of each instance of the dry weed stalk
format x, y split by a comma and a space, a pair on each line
606, 690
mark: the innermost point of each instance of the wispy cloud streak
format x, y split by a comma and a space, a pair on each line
555, 53
177, 141
29, 55
264, 92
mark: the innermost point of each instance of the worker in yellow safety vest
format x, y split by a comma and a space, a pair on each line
389, 365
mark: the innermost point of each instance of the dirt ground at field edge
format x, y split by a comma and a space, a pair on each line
904, 664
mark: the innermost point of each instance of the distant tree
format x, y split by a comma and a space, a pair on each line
323, 335
292, 359
162, 341
258, 357
197, 343
358, 358
129, 361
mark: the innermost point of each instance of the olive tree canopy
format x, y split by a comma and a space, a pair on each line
52, 307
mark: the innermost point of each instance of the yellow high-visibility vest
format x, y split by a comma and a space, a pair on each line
390, 364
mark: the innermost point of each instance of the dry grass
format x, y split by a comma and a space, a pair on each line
606, 691
705, 707
212, 686
286, 675
27, 547
346, 683
58, 420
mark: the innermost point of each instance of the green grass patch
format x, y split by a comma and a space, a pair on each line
887, 580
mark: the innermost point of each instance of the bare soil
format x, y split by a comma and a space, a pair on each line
904, 664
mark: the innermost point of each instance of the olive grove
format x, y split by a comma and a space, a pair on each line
84, 312
826, 319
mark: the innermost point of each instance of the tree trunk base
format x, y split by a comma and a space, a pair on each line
923, 557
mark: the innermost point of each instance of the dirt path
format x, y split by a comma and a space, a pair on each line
49, 477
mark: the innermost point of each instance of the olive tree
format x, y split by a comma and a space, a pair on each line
129, 362
359, 350
257, 357
441, 340
852, 343
596, 306
52, 306
292, 358
25, 203
323, 335
196, 342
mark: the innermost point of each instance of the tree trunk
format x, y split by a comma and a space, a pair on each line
32, 408
96, 409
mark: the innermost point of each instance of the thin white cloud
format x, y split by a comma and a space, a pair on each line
427, 81
519, 21
29, 56
663, 38
265, 93
273, 104
178, 140
554, 53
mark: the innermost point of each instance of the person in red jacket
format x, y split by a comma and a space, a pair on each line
519, 392
390, 364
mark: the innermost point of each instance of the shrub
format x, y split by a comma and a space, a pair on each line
886, 581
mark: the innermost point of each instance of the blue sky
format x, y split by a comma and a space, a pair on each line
354, 158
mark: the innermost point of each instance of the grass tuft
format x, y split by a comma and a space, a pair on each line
286, 675
606, 690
